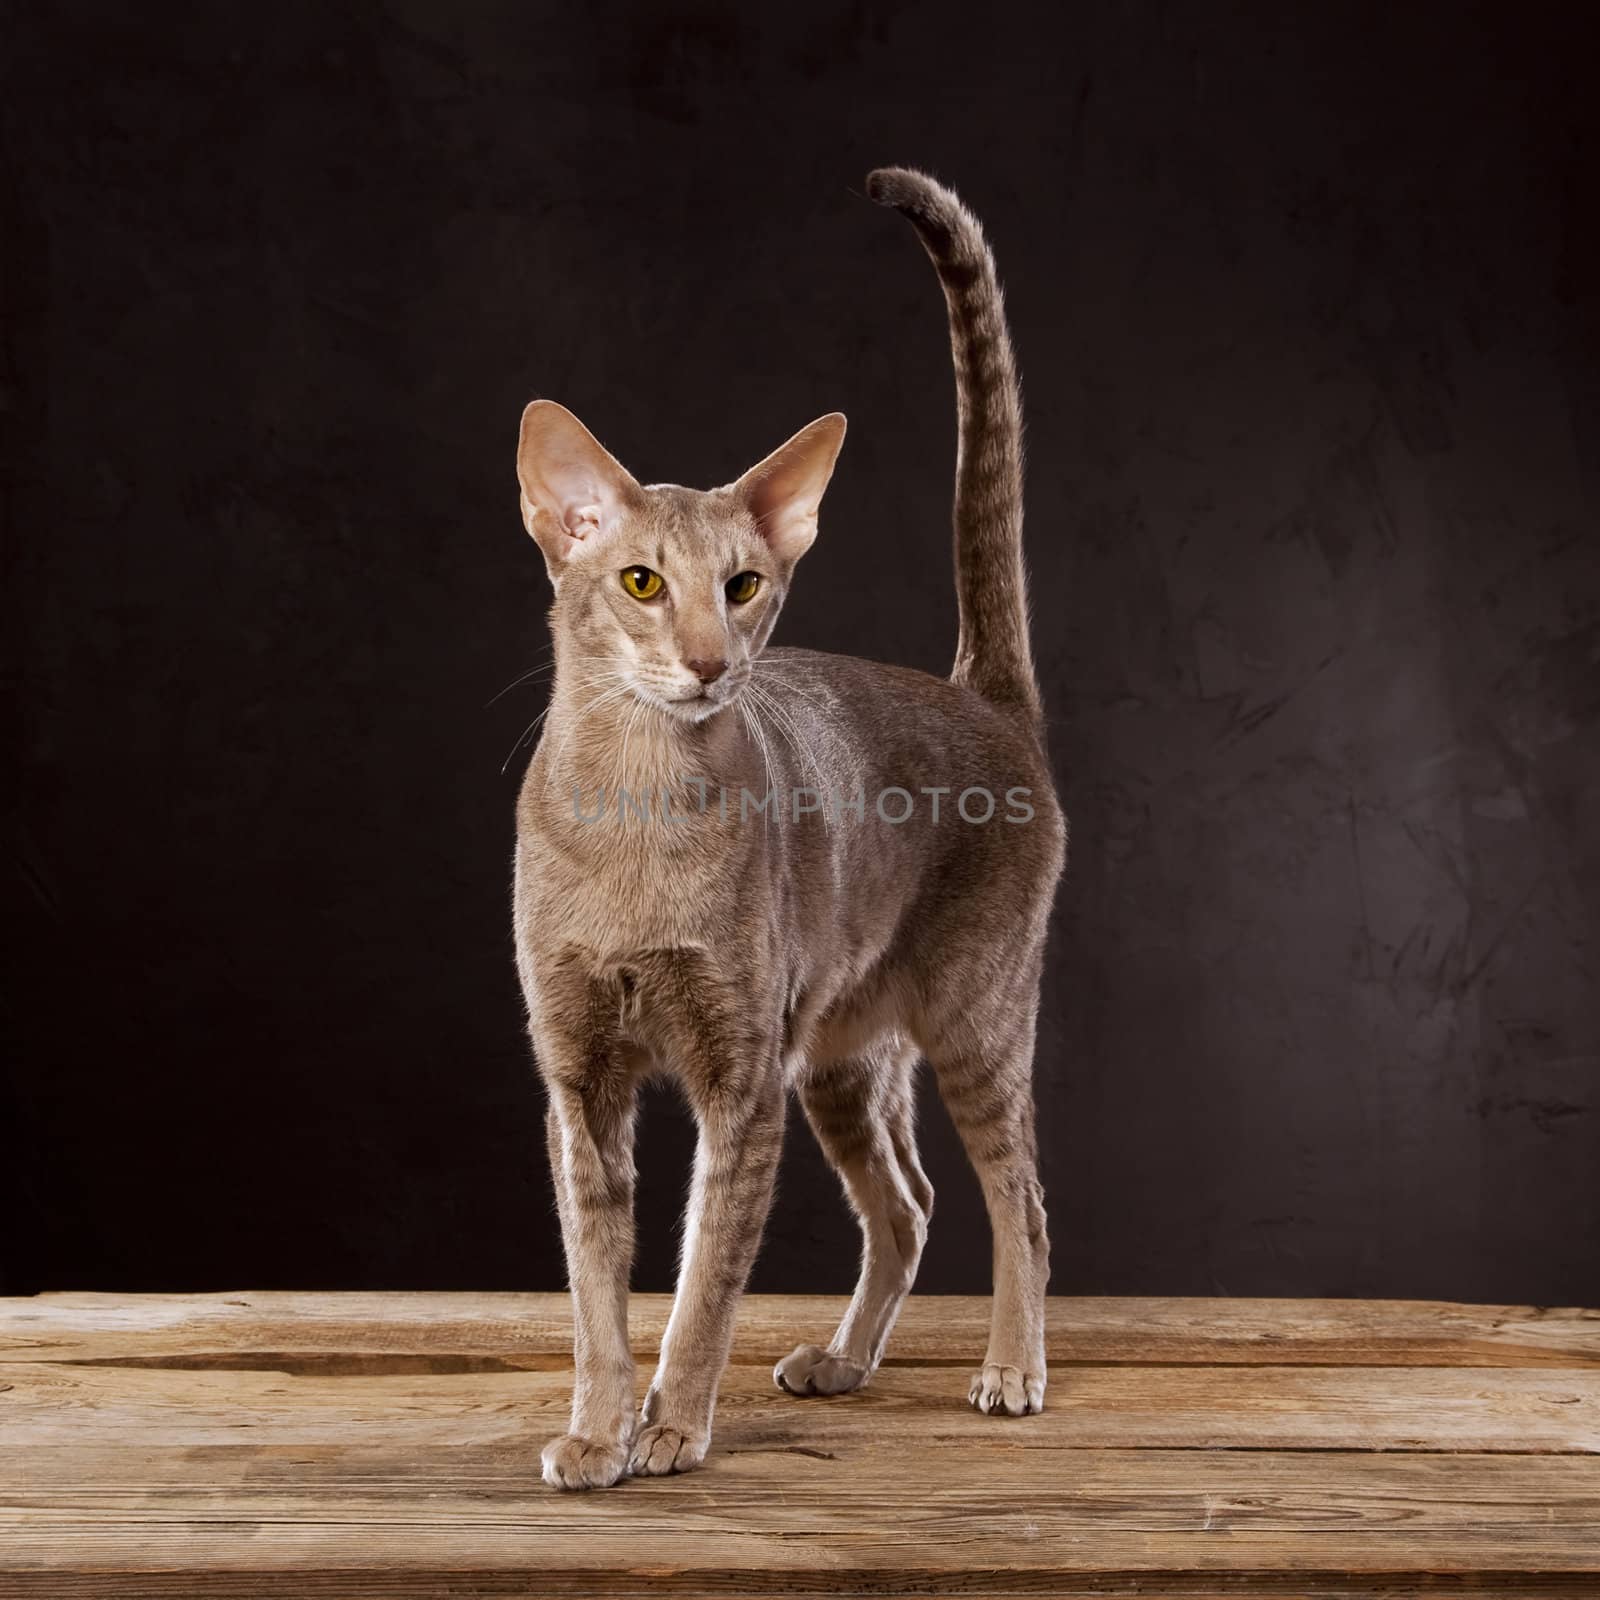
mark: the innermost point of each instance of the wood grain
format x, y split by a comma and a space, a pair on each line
365, 1445
1091, 1408
526, 1328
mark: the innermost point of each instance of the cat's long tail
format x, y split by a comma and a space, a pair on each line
993, 655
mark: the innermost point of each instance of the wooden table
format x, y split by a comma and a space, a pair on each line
321, 1445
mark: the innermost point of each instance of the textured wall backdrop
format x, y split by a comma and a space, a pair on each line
1306, 306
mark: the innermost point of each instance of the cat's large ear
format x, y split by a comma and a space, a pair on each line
573, 488
785, 490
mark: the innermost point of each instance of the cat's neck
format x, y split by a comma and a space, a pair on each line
600, 735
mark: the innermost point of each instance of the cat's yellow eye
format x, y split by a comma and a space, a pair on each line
641, 582
743, 587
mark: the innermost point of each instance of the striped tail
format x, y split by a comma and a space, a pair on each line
993, 655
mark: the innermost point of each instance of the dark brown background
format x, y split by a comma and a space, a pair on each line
1305, 297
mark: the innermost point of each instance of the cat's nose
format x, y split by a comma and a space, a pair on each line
707, 671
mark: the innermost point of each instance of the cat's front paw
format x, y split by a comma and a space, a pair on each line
660, 1449
813, 1370
573, 1463
1007, 1391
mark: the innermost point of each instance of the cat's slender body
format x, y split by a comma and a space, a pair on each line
821, 951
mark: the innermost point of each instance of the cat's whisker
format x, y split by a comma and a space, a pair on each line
624, 776
581, 716
808, 767
628, 735
584, 680
792, 685
791, 733
522, 739
752, 722
536, 671
775, 713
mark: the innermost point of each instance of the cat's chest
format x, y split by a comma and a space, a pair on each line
614, 891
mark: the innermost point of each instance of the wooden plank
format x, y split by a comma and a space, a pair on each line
906, 1408
343, 1585
343, 1446
768, 1521
533, 1330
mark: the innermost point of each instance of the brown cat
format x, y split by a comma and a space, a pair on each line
763, 870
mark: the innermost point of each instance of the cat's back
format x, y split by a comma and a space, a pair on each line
901, 725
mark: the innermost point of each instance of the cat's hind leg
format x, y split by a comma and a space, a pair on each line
985, 1079
862, 1112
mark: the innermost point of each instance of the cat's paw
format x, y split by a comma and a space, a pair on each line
1007, 1391
660, 1449
813, 1370
573, 1463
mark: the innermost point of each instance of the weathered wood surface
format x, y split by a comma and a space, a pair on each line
525, 1329
327, 1445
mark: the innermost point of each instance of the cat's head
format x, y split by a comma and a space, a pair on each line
671, 592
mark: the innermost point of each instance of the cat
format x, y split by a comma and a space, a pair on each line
679, 907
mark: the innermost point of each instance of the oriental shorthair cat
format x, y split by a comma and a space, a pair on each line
763, 870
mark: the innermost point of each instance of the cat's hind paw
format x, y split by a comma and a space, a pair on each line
812, 1370
573, 1463
659, 1450
1007, 1391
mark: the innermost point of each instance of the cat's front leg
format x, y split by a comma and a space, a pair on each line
590, 1128
741, 1137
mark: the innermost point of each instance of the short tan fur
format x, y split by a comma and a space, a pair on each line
815, 946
